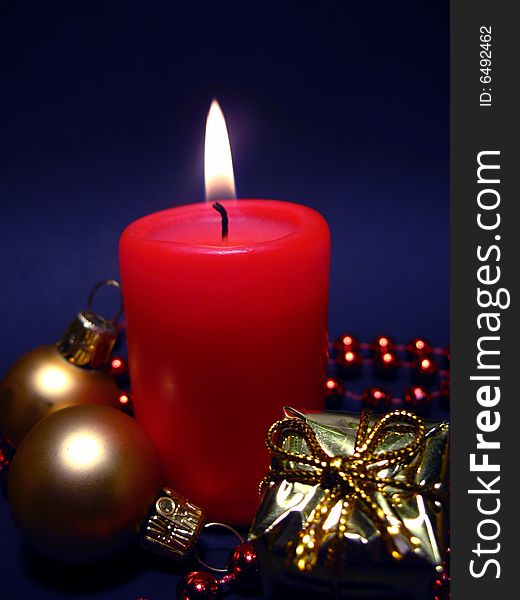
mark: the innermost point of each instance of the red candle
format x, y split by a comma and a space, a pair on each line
221, 334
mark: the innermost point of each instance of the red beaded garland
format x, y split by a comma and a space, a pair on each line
349, 358
242, 566
243, 574
441, 587
124, 399
125, 403
425, 369
383, 343
427, 366
333, 388
424, 362
376, 398
419, 347
118, 366
347, 341
6, 455
198, 585
349, 362
4, 461
417, 398
386, 365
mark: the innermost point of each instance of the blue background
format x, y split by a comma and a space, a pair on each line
343, 106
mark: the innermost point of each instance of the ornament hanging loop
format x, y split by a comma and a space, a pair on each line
90, 338
224, 526
110, 283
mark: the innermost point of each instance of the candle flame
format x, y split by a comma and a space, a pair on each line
218, 164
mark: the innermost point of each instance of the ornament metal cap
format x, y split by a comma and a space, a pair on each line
90, 338
173, 527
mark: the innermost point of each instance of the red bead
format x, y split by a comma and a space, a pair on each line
386, 364
419, 347
417, 399
198, 585
447, 560
118, 366
425, 369
243, 568
4, 462
376, 398
333, 388
383, 343
6, 454
125, 403
124, 399
441, 587
349, 362
347, 341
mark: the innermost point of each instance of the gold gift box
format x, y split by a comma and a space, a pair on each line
353, 506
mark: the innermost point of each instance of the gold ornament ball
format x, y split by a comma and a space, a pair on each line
43, 381
82, 482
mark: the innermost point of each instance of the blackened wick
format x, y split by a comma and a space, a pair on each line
225, 221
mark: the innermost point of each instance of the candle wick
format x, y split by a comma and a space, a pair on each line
225, 221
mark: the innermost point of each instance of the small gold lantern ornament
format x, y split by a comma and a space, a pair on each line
72, 371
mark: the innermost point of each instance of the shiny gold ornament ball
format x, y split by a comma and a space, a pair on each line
43, 381
82, 482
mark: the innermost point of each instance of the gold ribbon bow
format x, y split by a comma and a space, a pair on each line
350, 479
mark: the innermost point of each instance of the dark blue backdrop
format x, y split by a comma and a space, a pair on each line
342, 106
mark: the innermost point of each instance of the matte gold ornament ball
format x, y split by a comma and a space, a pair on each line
82, 482
43, 381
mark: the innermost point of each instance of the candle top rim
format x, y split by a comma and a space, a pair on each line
291, 220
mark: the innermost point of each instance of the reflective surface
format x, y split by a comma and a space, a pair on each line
287, 505
43, 381
82, 482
